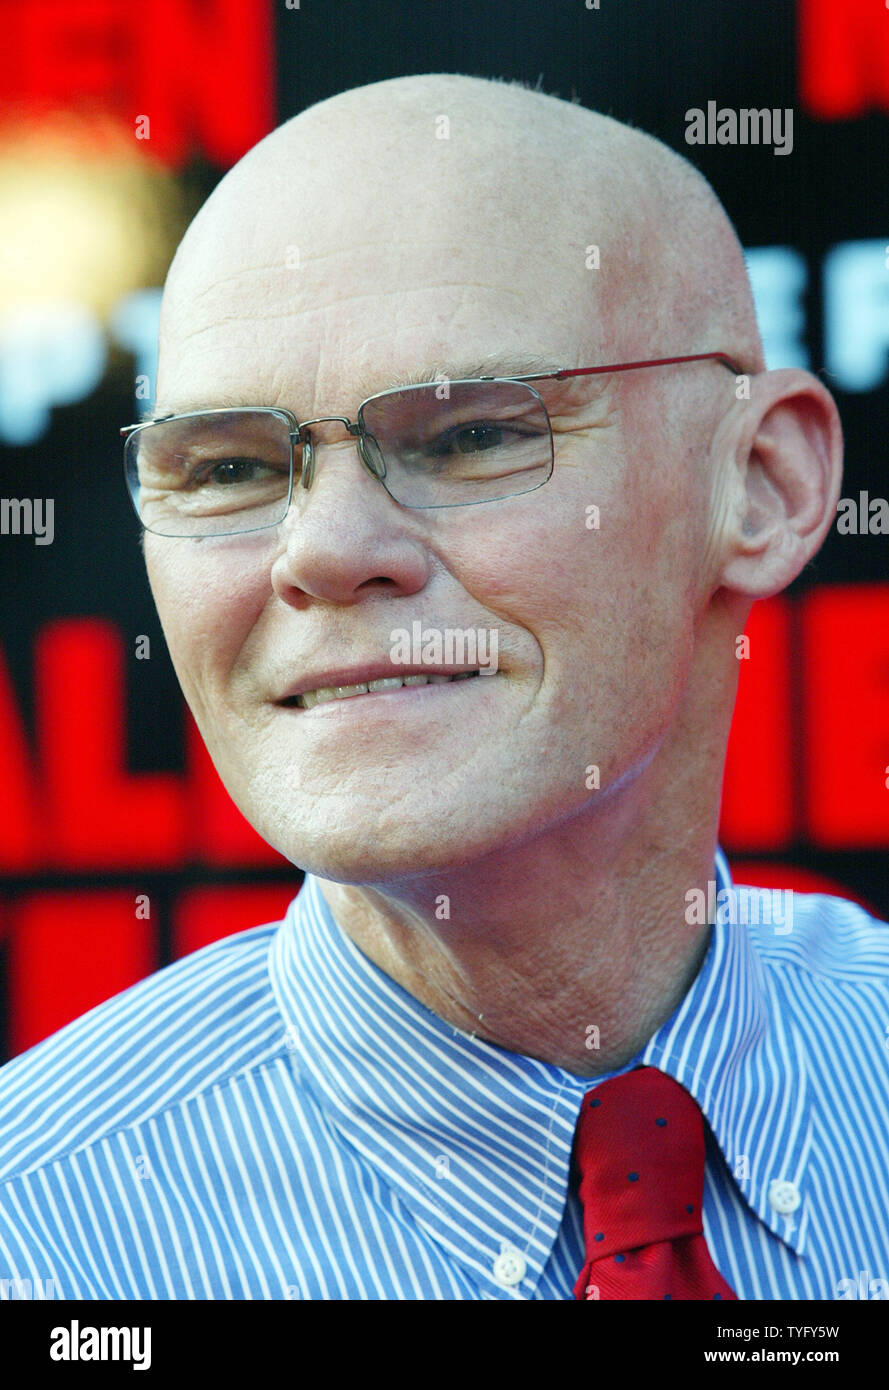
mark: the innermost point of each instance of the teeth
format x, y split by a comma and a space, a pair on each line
310, 698
331, 692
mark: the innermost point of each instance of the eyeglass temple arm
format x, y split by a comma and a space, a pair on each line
128, 429
720, 357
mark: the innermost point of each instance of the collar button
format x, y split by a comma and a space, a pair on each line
509, 1268
784, 1196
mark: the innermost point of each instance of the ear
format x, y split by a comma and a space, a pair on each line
779, 457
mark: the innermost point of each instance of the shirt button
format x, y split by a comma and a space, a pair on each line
784, 1196
509, 1268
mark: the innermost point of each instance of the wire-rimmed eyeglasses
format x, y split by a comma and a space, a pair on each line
224, 471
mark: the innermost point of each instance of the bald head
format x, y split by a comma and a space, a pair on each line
484, 180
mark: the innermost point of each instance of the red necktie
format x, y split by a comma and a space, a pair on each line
640, 1150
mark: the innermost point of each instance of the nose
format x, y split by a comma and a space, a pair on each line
350, 535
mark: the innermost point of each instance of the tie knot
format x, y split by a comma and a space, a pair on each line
640, 1151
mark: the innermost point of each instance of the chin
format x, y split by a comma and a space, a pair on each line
373, 863
422, 831
359, 852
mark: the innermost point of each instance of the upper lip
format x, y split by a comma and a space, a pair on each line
361, 675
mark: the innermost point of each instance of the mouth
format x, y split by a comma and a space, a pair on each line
308, 699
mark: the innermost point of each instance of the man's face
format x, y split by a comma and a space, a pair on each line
594, 626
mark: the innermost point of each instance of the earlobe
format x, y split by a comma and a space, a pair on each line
787, 474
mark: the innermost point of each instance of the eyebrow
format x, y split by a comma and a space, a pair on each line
495, 364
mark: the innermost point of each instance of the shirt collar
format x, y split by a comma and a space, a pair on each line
476, 1141
473, 1139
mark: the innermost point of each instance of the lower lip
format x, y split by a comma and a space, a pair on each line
402, 697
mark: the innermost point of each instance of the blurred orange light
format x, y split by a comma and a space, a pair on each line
87, 214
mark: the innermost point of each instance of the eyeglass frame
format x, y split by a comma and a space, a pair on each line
356, 430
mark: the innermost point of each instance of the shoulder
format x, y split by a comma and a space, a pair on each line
184, 1029
828, 938
825, 968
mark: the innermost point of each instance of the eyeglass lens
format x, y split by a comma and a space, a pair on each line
437, 445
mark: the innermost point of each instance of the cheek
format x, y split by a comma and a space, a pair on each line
566, 562
600, 575
206, 615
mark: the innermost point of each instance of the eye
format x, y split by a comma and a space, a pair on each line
470, 439
479, 437
227, 472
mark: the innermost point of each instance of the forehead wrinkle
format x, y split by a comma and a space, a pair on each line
356, 297
494, 364
174, 335
309, 258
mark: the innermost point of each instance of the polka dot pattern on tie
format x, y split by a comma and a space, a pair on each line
640, 1151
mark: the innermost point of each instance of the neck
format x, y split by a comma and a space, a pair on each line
572, 947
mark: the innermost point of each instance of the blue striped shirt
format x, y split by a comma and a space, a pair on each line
274, 1117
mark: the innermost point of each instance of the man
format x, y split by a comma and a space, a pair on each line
394, 1092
